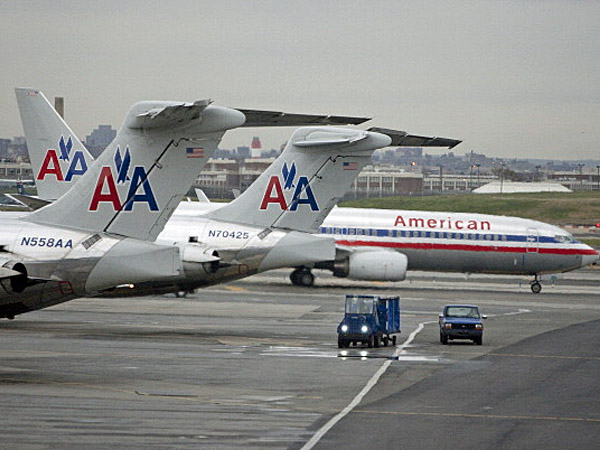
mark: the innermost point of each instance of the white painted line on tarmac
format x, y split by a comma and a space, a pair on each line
370, 384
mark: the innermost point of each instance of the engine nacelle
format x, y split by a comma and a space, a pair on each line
377, 266
198, 254
16, 283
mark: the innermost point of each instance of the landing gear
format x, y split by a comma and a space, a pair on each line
184, 294
536, 287
302, 277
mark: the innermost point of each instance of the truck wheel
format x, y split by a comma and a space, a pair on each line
394, 340
443, 339
370, 342
376, 341
478, 340
342, 343
385, 341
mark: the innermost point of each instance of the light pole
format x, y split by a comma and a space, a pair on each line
478, 166
471, 177
580, 165
598, 179
502, 166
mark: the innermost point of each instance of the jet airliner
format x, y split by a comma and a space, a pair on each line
266, 227
383, 245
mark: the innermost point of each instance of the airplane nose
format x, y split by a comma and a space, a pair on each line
589, 258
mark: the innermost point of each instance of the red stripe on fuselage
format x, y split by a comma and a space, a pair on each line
468, 248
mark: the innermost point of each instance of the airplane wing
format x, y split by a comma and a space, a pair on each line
403, 139
259, 118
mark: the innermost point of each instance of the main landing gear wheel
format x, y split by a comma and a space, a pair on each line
302, 277
536, 287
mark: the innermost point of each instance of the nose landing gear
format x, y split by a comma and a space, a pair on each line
536, 286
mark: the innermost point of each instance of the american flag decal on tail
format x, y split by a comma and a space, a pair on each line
194, 152
350, 166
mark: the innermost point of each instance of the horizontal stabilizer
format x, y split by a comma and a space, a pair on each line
258, 118
169, 115
30, 202
5, 272
326, 137
403, 139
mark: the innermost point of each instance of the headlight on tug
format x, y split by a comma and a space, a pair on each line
364, 329
478, 326
344, 328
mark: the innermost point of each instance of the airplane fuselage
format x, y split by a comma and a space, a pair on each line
460, 242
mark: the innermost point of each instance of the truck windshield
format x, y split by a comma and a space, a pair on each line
462, 311
359, 306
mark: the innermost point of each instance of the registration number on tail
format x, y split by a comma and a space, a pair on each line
43, 241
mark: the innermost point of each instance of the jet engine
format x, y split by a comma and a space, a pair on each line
373, 266
13, 276
192, 254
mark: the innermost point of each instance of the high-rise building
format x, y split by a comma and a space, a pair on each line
99, 139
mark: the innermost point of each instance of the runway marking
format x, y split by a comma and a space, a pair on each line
370, 384
235, 288
480, 416
590, 358
162, 394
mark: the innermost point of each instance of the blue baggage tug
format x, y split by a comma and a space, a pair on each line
370, 320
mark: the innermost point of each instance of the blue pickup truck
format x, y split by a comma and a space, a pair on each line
461, 322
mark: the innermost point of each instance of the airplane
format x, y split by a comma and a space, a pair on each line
295, 193
382, 245
369, 248
100, 233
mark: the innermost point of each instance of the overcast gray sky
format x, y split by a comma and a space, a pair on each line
514, 78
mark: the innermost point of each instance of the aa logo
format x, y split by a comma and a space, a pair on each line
277, 187
136, 181
63, 166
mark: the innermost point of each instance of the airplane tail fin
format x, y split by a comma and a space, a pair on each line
57, 156
136, 183
301, 187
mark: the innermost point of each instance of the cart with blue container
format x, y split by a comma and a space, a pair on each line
370, 320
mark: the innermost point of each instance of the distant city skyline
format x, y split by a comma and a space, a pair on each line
513, 78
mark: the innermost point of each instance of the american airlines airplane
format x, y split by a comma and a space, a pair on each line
382, 245
129, 192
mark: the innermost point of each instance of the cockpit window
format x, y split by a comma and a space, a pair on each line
564, 238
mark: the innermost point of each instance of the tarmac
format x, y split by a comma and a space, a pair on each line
255, 364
